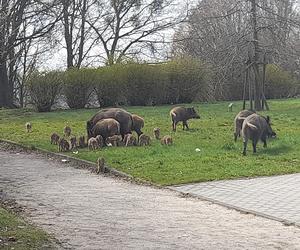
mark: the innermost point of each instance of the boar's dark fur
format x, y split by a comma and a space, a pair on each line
182, 114
255, 128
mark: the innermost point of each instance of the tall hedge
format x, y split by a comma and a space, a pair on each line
111, 85
44, 88
280, 83
187, 81
182, 80
78, 86
146, 84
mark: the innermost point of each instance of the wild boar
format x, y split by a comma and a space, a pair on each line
130, 140
144, 140
100, 165
28, 127
182, 114
137, 124
100, 141
156, 132
120, 115
256, 127
115, 141
92, 143
106, 128
67, 131
238, 122
63, 145
81, 141
54, 138
73, 142
166, 140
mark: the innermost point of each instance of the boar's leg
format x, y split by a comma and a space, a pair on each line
235, 136
264, 140
254, 142
184, 124
245, 141
174, 125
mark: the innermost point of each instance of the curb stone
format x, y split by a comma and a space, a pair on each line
80, 163
84, 164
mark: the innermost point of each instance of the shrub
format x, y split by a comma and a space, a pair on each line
280, 83
147, 84
187, 81
43, 89
78, 86
110, 85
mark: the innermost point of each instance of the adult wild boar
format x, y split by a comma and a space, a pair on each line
238, 122
120, 115
256, 127
137, 124
182, 114
106, 128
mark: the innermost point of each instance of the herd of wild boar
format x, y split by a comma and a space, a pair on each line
109, 127
114, 127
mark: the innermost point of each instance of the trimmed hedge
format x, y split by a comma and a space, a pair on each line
179, 81
188, 80
280, 83
44, 88
146, 84
111, 85
78, 86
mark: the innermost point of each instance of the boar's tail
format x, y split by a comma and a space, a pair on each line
251, 125
240, 118
172, 113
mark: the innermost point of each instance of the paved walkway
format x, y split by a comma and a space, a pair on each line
86, 211
275, 197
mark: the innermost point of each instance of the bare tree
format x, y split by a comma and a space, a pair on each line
128, 27
236, 36
15, 14
76, 33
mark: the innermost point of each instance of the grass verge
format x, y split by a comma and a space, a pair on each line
16, 234
219, 157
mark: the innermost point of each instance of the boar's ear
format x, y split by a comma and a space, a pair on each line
268, 119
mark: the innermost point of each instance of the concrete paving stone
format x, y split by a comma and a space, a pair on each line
277, 196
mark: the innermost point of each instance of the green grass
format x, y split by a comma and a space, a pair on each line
17, 234
219, 158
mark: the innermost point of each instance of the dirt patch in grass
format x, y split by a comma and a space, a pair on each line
17, 233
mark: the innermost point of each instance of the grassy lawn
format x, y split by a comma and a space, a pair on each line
219, 157
16, 234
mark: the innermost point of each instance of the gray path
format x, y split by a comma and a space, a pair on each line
86, 211
277, 197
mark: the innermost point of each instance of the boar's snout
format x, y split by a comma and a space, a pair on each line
272, 134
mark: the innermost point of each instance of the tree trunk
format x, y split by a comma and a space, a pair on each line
257, 84
245, 86
6, 91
